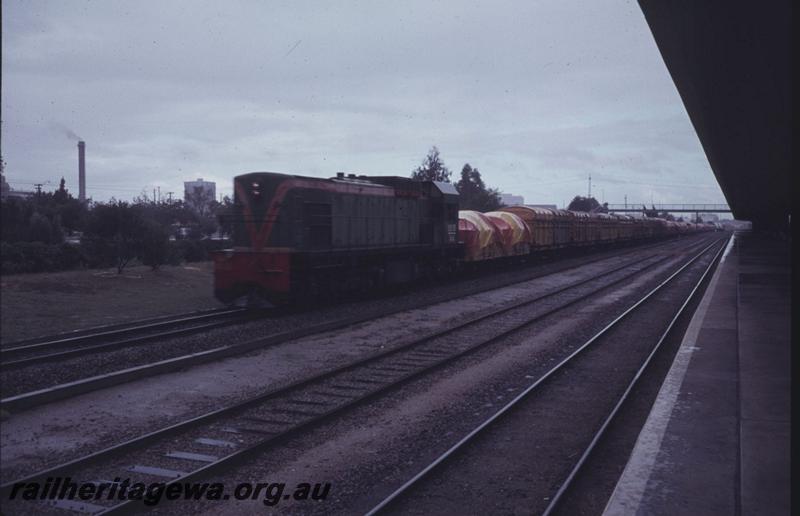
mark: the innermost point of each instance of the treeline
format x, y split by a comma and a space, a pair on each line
53, 231
473, 192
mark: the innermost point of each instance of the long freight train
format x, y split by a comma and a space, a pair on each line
297, 238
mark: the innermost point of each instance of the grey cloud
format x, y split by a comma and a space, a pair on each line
536, 94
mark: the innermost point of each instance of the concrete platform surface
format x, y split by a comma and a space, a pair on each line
717, 438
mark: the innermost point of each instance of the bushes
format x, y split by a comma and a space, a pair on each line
113, 234
22, 257
12, 258
39, 257
40, 219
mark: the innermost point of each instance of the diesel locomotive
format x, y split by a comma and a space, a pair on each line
301, 238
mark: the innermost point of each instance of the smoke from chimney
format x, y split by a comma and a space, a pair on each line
82, 171
69, 133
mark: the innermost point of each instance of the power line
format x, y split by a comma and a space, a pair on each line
94, 185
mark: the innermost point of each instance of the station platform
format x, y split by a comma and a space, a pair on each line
717, 439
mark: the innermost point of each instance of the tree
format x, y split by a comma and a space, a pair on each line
61, 195
114, 233
587, 204
201, 200
432, 168
224, 213
473, 194
154, 245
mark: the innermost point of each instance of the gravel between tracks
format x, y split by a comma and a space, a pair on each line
45, 375
57, 432
373, 449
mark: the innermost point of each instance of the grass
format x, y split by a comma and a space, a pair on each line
43, 304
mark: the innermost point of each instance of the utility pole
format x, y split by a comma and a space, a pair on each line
38, 188
590, 186
159, 194
626, 201
170, 196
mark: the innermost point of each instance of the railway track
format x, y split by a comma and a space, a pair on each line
88, 342
220, 439
468, 451
49, 393
109, 327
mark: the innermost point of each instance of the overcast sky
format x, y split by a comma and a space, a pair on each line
536, 95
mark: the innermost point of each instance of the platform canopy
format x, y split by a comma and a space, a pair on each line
731, 63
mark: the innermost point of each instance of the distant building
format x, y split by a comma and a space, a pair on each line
199, 194
511, 199
19, 194
549, 206
6, 191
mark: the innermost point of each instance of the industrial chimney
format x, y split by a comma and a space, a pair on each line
82, 171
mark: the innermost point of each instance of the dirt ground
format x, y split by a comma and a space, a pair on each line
42, 304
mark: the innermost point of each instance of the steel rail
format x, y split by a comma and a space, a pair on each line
470, 437
63, 341
106, 327
235, 457
556, 499
226, 319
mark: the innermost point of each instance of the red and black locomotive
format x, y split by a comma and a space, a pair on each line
300, 237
